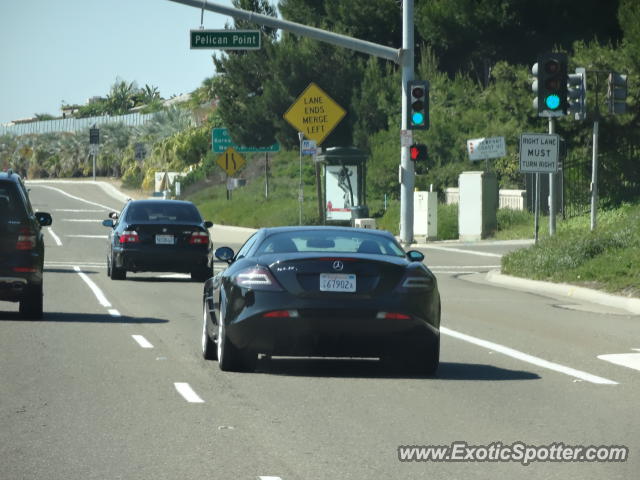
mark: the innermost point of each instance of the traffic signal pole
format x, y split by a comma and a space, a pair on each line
407, 173
552, 188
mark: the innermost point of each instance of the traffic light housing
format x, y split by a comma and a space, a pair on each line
418, 111
419, 154
551, 85
617, 93
577, 93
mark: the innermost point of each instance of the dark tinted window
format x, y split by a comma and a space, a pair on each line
12, 205
162, 212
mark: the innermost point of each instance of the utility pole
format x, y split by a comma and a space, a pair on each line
552, 188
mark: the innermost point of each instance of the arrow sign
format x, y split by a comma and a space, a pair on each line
630, 360
230, 161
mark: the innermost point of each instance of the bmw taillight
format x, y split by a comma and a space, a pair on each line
26, 239
256, 278
199, 238
129, 236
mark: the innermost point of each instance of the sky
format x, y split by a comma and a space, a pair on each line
55, 51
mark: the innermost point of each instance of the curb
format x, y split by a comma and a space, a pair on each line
631, 305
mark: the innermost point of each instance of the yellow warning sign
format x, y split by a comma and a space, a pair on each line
230, 161
314, 113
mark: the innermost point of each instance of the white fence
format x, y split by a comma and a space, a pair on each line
513, 199
73, 124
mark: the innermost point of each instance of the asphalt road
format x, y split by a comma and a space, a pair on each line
111, 383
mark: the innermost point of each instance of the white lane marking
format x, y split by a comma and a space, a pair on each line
94, 288
80, 199
187, 393
629, 360
143, 342
83, 220
73, 264
76, 210
114, 313
510, 352
460, 250
87, 236
174, 275
268, 477
455, 272
56, 238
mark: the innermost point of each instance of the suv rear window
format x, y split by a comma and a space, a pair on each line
11, 203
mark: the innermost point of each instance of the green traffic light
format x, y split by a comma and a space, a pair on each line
417, 118
552, 102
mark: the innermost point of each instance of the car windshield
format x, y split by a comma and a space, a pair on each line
330, 242
163, 212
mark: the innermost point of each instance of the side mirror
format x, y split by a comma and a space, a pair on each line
44, 219
224, 253
108, 223
208, 224
415, 256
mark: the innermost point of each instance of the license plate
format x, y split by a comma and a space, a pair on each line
337, 282
164, 239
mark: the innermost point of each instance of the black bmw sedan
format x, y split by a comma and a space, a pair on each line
322, 291
159, 236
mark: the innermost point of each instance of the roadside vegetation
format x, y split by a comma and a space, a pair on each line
607, 258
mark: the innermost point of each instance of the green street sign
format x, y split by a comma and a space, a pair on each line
225, 39
220, 141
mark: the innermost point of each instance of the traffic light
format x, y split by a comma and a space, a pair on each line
419, 154
550, 85
617, 93
577, 93
418, 111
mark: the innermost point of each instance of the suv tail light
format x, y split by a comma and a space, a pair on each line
256, 278
199, 238
26, 239
129, 236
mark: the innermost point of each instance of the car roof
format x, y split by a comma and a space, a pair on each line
273, 230
10, 175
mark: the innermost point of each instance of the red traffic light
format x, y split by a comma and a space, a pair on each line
418, 152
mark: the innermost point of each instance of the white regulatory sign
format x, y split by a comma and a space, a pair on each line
484, 148
539, 152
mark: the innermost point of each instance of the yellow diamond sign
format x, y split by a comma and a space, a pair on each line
230, 161
314, 113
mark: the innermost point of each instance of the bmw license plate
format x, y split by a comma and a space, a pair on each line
337, 282
164, 240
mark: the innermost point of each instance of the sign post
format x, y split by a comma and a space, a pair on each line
539, 153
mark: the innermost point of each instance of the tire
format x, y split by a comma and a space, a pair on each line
422, 361
114, 272
231, 358
209, 348
202, 274
31, 305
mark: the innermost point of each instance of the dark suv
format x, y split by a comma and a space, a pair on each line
21, 247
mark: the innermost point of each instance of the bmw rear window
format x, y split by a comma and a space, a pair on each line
163, 212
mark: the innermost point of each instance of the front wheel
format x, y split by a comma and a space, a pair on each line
31, 305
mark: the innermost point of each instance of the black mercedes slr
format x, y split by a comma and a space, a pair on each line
322, 291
